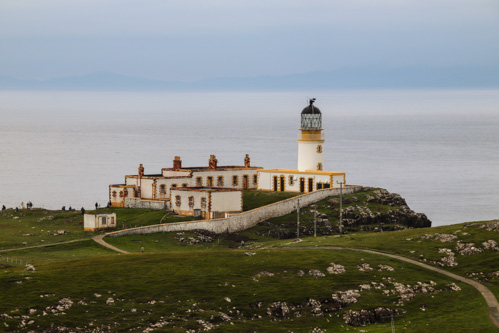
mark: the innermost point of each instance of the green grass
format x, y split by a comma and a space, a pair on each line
181, 284
410, 244
191, 286
253, 199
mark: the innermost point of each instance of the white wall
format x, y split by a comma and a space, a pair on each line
308, 157
226, 201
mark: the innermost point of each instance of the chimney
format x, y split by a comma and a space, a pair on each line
213, 162
177, 163
247, 161
141, 170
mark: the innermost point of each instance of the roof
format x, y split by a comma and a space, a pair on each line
311, 109
306, 172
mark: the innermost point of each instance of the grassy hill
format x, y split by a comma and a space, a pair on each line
196, 281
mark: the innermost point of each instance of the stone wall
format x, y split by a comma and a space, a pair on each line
241, 221
150, 204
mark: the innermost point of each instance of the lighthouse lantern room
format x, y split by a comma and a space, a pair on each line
311, 139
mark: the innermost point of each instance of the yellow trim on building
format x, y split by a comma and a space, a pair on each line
306, 172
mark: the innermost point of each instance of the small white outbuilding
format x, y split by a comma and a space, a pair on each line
101, 221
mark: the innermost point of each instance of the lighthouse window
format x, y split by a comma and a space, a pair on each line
319, 166
319, 149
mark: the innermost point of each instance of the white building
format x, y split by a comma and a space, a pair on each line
154, 190
207, 202
310, 175
95, 222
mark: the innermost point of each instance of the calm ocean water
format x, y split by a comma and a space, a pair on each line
438, 149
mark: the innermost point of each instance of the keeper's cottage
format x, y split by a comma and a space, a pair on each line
215, 191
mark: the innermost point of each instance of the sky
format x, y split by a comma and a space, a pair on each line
196, 39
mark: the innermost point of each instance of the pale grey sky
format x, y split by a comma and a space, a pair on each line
195, 39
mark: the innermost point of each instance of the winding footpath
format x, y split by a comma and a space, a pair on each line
489, 297
99, 239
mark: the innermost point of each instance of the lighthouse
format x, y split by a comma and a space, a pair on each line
310, 175
311, 139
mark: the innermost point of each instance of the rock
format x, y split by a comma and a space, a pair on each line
386, 268
227, 299
316, 307
440, 237
366, 317
490, 226
257, 276
249, 253
467, 248
336, 269
490, 245
345, 298
316, 273
278, 310
29, 267
454, 287
110, 301
364, 267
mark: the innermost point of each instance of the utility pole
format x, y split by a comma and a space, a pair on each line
298, 219
341, 208
315, 221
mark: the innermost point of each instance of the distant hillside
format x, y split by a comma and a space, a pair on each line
341, 78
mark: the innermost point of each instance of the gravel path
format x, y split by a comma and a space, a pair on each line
99, 239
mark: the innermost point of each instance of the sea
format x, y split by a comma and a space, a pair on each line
439, 149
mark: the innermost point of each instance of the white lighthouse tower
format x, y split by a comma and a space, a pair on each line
311, 139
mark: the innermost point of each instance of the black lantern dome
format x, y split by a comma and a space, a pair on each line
311, 117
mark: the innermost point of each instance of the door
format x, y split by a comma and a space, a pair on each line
283, 183
245, 182
310, 184
302, 185
209, 181
275, 183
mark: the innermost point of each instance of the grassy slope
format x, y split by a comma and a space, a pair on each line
189, 274
189, 286
410, 244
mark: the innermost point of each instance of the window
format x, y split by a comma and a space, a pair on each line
235, 180
174, 186
191, 202
203, 202
121, 194
255, 179
185, 185
125, 192
319, 149
199, 181
112, 219
162, 189
319, 166
114, 194
291, 181
209, 181
177, 200
103, 220
220, 181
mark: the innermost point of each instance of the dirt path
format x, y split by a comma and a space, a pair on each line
99, 239
486, 293
45, 245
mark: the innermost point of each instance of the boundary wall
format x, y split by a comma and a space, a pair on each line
241, 221
144, 203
